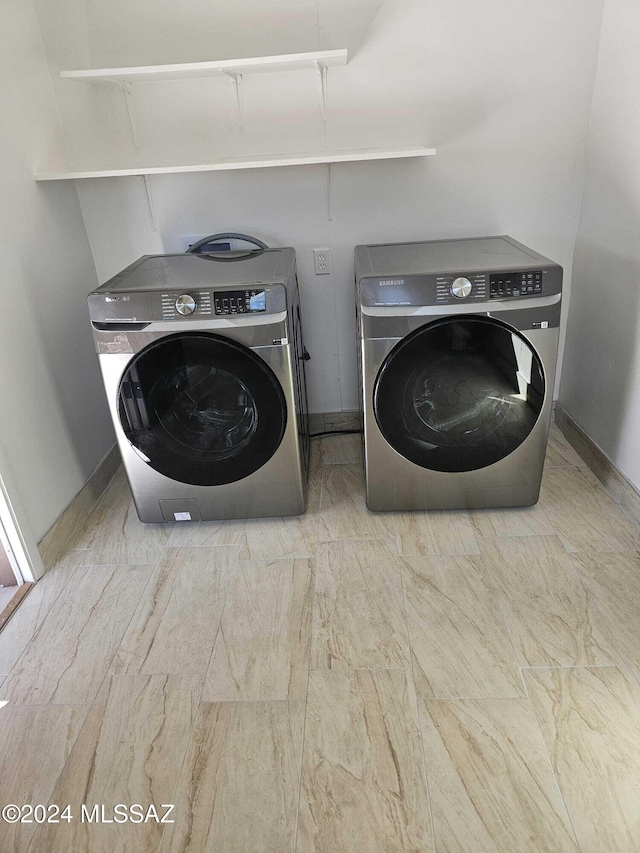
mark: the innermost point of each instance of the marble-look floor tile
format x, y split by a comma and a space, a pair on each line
294, 536
614, 580
583, 515
123, 539
175, 624
513, 521
35, 743
129, 751
363, 780
439, 532
262, 647
79, 530
69, 529
260, 538
551, 617
358, 616
590, 721
459, 643
207, 534
491, 784
343, 511
239, 785
30, 615
341, 449
342, 420
560, 454
70, 654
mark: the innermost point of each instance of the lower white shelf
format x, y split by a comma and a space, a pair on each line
346, 155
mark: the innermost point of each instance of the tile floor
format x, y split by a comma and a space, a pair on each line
342, 681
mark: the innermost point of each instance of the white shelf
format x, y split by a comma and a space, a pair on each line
217, 68
346, 155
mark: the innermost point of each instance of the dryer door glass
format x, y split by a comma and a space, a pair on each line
201, 409
459, 394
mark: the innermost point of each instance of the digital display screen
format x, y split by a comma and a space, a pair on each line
258, 301
239, 301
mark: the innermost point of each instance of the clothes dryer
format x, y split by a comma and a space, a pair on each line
458, 348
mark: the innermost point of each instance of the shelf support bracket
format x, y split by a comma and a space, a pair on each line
329, 177
126, 91
146, 183
321, 86
236, 80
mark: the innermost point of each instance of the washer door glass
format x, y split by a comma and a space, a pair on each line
459, 394
201, 409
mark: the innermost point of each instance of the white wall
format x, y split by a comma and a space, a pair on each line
601, 381
502, 88
54, 424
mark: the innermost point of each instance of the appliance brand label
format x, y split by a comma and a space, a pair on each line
388, 282
117, 299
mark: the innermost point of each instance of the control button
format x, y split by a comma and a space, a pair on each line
461, 288
185, 304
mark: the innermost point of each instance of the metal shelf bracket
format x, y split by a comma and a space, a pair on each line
236, 80
126, 91
321, 87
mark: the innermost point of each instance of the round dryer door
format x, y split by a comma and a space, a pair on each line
459, 394
201, 409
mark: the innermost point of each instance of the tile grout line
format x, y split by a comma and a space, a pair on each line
577, 666
199, 703
306, 700
498, 596
188, 740
315, 562
553, 769
419, 720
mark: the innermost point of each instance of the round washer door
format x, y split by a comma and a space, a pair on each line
202, 409
459, 394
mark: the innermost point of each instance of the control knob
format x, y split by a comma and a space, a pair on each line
185, 304
461, 288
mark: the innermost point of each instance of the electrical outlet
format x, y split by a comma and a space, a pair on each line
322, 261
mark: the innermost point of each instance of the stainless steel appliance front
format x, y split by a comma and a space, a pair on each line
457, 364
203, 365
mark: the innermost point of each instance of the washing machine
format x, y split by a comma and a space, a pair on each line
203, 365
458, 347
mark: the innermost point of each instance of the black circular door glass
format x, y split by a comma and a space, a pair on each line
201, 409
459, 394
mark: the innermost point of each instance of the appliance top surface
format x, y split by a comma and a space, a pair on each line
187, 272
442, 256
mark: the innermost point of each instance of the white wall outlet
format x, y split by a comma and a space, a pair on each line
322, 261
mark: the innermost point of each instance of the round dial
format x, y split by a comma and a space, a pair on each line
185, 304
461, 288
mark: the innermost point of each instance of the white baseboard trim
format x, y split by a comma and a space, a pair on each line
56, 541
620, 489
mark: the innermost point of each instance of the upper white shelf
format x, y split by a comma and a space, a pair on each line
217, 68
345, 155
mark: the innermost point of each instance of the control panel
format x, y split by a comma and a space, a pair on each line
239, 301
451, 288
515, 284
205, 303
178, 305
